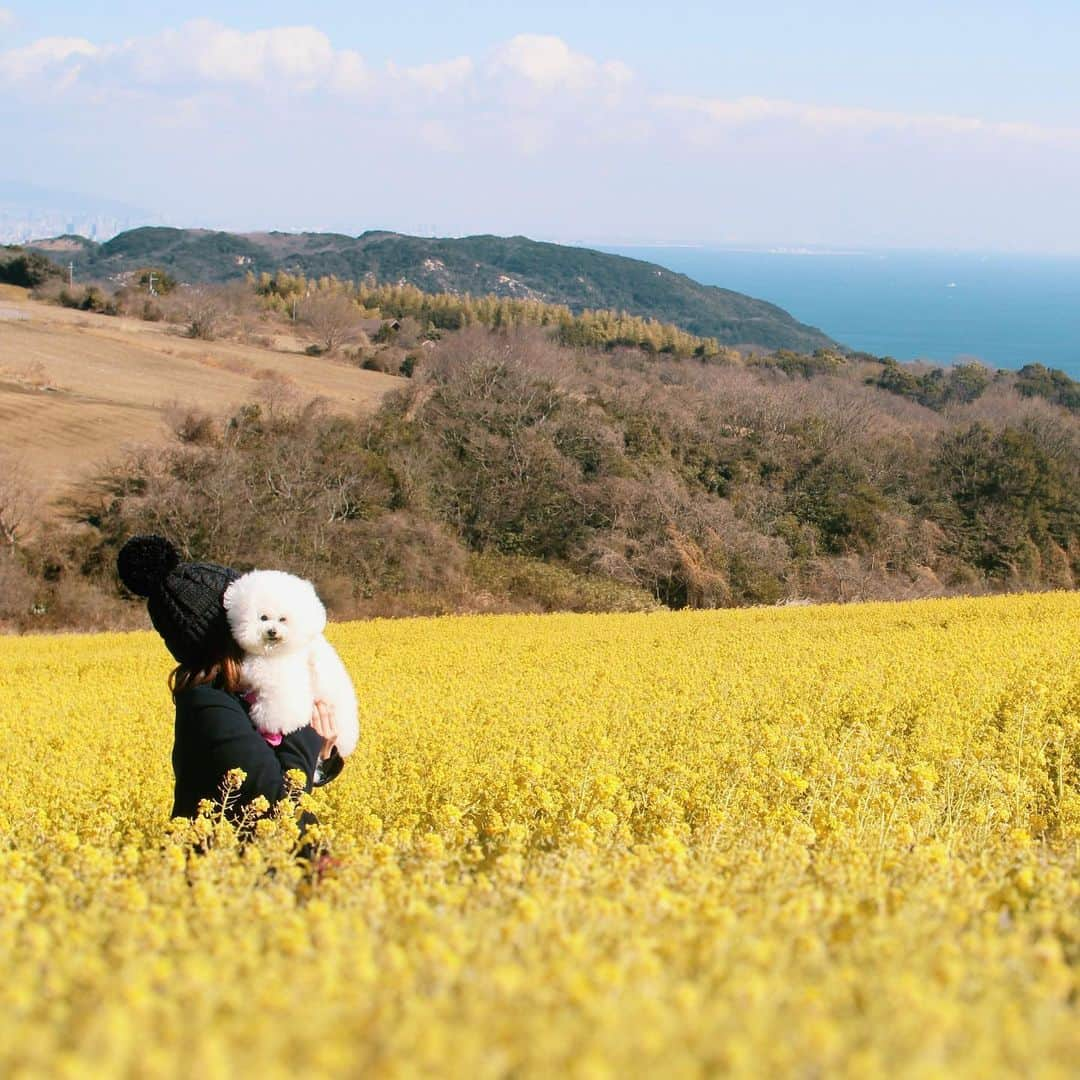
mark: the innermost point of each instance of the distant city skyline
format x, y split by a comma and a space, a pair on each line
849, 126
21, 227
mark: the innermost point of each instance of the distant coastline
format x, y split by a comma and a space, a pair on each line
1006, 310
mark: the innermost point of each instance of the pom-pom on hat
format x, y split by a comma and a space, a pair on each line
183, 599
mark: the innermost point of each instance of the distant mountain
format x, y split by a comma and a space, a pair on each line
505, 266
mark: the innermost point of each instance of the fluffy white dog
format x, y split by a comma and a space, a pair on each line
278, 620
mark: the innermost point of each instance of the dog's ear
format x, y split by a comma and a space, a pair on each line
230, 595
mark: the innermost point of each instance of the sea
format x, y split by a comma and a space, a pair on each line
1005, 310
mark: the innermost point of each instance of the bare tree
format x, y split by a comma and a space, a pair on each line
201, 309
241, 309
334, 319
18, 501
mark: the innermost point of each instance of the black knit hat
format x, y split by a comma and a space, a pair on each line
184, 599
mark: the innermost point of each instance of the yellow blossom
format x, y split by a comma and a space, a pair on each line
805, 841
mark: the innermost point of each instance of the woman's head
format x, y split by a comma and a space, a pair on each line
223, 672
185, 605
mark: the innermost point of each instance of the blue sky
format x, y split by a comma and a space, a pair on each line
953, 126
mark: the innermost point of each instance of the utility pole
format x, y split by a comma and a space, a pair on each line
71, 274
150, 283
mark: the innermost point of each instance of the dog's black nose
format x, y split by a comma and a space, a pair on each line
271, 632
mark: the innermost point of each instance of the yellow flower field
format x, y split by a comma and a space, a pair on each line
799, 842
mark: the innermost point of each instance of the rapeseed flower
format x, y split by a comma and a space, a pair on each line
768, 842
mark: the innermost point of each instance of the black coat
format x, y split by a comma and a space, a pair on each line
215, 734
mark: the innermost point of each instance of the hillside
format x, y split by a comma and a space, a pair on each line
75, 388
513, 470
503, 266
513, 473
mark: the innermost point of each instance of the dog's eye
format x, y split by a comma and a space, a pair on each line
282, 619
264, 617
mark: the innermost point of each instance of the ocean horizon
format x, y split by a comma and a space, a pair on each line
1004, 310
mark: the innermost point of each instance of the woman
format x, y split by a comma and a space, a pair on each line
214, 733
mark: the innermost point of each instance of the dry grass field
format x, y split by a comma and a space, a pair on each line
76, 388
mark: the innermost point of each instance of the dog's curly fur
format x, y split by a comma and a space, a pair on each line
278, 620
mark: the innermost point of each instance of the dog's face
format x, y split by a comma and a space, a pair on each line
273, 612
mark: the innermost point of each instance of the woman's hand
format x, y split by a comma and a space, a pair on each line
325, 723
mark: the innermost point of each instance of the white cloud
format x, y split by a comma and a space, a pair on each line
548, 63
47, 59
199, 53
350, 74
758, 112
443, 77
205, 51
535, 90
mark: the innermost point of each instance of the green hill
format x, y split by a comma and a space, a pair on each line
503, 266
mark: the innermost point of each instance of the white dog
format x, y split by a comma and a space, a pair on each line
278, 620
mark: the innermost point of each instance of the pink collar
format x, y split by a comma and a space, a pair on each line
273, 738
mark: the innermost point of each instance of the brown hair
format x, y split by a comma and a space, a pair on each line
223, 673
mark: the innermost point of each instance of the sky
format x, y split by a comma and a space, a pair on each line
942, 126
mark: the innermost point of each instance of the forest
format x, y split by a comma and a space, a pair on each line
537, 460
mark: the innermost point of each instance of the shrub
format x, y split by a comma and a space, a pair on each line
26, 268
163, 282
89, 298
1006, 494
548, 586
937, 387
1035, 380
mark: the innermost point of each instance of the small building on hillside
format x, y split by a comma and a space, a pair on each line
372, 326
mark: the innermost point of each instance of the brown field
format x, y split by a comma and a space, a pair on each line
77, 388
